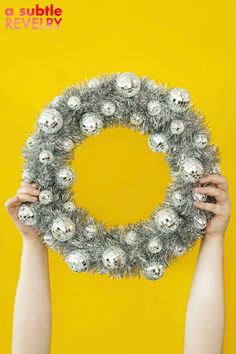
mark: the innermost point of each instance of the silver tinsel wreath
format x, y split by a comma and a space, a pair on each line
172, 126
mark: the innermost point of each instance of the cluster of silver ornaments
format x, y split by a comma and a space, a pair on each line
128, 100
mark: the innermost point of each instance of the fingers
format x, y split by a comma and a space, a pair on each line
12, 202
219, 181
214, 208
219, 194
28, 192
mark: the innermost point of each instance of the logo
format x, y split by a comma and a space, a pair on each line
36, 18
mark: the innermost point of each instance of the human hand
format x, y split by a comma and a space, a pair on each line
219, 189
26, 193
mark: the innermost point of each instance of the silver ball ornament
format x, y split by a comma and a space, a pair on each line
46, 157
31, 142
153, 271
167, 220
27, 176
178, 99
50, 121
191, 169
63, 229
179, 250
200, 140
74, 102
198, 197
177, 198
177, 126
78, 261
90, 231
131, 238
108, 108
69, 206
27, 215
114, 258
128, 84
136, 119
67, 145
91, 123
49, 241
65, 177
155, 245
158, 143
45, 197
154, 108
200, 221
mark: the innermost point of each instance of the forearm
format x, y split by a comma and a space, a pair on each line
204, 331
32, 310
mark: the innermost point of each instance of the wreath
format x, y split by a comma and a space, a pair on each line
173, 127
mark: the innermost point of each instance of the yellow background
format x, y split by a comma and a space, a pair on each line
184, 44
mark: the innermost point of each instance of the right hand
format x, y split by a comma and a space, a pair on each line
26, 193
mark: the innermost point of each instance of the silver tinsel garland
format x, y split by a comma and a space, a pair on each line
172, 126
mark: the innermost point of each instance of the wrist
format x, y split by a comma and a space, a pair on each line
214, 238
32, 241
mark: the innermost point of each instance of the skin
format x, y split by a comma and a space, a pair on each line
204, 330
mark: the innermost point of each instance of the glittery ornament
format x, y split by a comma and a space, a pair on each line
179, 250
191, 169
50, 121
128, 84
114, 258
93, 83
65, 177
199, 197
45, 197
74, 102
177, 198
27, 176
167, 220
178, 99
136, 119
69, 206
49, 241
108, 108
153, 271
158, 143
90, 231
200, 140
200, 221
91, 123
154, 108
155, 245
131, 238
67, 144
177, 126
27, 215
46, 157
63, 229
78, 260
31, 142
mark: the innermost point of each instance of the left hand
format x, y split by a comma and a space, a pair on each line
219, 189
